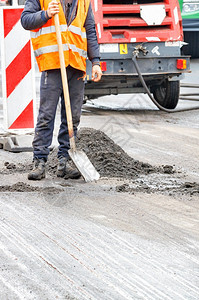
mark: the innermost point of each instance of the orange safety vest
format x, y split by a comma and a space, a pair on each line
74, 40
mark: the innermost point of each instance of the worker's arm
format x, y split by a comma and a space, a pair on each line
92, 45
33, 17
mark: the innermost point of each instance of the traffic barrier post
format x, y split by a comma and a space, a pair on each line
18, 75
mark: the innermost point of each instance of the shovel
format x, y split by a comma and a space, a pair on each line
79, 158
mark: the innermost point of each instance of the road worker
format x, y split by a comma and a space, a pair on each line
78, 31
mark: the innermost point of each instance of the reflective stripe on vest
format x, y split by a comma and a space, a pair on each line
46, 30
51, 29
77, 30
54, 48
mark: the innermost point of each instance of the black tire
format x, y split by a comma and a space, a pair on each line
167, 94
193, 47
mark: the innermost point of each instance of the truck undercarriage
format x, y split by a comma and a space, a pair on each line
151, 31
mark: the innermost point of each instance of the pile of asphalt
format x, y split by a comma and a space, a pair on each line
109, 159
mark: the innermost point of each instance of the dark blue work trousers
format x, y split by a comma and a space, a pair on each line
50, 91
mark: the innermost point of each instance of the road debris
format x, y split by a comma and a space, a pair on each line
112, 162
23, 187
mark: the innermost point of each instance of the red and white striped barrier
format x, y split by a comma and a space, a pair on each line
18, 82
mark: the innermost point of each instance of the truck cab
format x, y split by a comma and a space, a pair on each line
152, 32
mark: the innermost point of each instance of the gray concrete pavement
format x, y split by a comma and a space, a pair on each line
88, 241
98, 246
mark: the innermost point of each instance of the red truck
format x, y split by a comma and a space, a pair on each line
139, 40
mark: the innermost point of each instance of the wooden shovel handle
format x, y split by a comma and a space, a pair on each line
65, 84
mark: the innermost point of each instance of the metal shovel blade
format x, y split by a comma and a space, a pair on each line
84, 165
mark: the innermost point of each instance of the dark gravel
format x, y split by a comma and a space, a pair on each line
109, 159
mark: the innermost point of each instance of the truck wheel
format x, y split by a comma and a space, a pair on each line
193, 39
167, 94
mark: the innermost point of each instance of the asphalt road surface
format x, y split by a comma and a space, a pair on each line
115, 239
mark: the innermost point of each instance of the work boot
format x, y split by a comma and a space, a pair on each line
38, 171
65, 170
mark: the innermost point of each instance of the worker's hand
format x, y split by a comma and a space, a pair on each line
96, 73
53, 8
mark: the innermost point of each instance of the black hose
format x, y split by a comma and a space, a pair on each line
186, 97
149, 93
